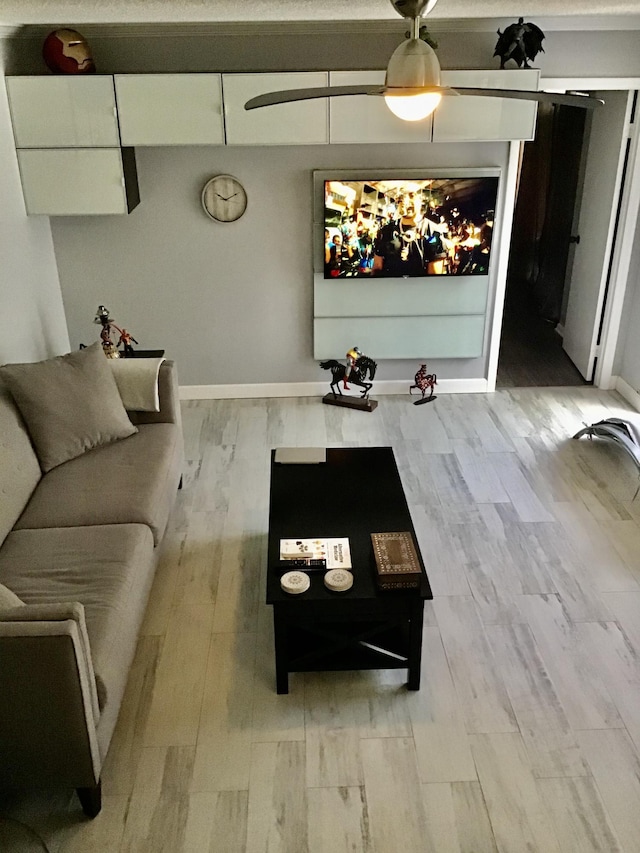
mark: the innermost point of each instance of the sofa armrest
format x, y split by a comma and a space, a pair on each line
168, 392
48, 699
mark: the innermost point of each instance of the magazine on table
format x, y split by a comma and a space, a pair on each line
335, 552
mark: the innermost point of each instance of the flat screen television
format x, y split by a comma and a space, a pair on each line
406, 228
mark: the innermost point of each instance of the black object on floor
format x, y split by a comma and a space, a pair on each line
363, 404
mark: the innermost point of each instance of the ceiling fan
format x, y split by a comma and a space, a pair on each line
412, 87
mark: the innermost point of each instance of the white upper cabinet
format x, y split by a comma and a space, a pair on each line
170, 109
300, 123
63, 112
73, 181
366, 118
472, 119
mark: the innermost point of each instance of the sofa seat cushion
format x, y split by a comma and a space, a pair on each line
130, 481
108, 569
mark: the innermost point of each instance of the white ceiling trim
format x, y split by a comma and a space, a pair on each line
78, 12
253, 28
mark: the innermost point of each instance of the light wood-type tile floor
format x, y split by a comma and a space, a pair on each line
525, 735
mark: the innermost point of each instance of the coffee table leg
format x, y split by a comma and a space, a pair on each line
415, 646
282, 657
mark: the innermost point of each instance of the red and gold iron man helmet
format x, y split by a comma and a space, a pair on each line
67, 52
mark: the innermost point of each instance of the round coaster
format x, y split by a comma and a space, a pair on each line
338, 580
295, 582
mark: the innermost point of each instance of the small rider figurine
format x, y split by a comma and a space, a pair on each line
352, 356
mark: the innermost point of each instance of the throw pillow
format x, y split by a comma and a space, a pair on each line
137, 381
8, 598
70, 404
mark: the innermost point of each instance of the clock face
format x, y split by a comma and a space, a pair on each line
224, 198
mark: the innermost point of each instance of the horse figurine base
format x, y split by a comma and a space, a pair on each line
363, 404
425, 400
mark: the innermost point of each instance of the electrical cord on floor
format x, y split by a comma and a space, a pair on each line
27, 827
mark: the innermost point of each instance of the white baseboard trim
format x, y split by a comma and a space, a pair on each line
626, 391
319, 389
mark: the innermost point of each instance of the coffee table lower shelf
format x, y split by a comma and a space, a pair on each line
306, 640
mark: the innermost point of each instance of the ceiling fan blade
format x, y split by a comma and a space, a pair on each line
585, 102
271, 98
290, 95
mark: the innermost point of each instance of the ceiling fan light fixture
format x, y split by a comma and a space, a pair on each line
412, 87
413, 107
413, 65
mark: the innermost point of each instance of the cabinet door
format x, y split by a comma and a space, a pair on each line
364, 118
300, 123
63, 112
170, 109
73, 181
459, 119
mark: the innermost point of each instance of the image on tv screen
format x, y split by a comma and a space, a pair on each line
406, 228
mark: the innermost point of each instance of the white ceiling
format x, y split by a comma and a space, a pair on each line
585, 14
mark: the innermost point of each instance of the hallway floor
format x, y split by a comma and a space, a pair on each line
531, 353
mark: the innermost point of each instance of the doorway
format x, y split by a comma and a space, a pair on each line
547, 205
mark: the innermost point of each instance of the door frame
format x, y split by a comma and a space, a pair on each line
622, 251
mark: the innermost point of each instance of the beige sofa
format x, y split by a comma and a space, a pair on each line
78, 547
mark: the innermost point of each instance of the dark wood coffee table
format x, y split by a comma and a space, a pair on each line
356, 492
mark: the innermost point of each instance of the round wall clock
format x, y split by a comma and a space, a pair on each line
224, 198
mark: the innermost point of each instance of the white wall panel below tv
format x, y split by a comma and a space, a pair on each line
383, 297
399, 337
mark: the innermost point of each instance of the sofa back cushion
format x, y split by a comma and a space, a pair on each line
70, 404
19, 468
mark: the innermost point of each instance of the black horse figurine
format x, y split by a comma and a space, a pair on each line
363, 366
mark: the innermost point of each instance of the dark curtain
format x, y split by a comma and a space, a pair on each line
543, 216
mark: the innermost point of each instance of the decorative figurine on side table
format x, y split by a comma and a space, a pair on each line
110, 348
424, 380
520, 42
125, 339
358, 367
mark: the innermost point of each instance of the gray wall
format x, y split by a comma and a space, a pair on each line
32, 322
233, 303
